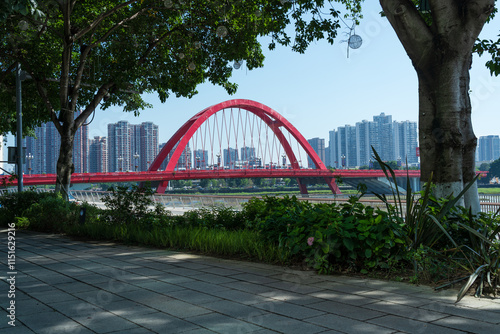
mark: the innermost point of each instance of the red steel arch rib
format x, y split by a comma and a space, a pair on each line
272, 119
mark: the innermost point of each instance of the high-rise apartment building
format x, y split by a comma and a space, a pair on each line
81, 149
248, 155
200, 159
148, 144
351, 146
406, 133
185, 159
318, 145
98, 155
230, 157
44, 150
131, 146
488, 148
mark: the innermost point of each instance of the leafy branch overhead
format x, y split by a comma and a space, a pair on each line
81, 54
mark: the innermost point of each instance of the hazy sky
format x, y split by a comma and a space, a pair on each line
323, 89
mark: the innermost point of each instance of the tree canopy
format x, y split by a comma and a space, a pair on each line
80, 54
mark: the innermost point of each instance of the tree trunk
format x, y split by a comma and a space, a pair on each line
440, 48
447, 142
65, 166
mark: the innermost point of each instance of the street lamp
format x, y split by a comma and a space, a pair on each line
29, 157
136, 157
284, 160
218, 161
120, 162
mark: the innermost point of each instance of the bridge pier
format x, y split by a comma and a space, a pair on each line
302, 187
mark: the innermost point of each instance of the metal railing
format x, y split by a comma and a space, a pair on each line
181, 203
489, 203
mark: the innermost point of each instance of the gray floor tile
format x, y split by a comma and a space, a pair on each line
468, 325
289, 310
195, 297
162, 323
345, 310
412, 326
220, 323
347, 325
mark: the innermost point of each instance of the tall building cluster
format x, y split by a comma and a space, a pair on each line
128, 147
351, 146
488, 148
133, 147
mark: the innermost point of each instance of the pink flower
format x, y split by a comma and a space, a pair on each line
310, 241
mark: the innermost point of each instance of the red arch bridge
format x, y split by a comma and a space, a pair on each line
237, 139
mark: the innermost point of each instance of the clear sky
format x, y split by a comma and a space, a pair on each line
323, 89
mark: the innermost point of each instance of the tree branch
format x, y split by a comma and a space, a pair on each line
100, 18
476, 15
155, 44
445, 15
92, 105
43, 95
412, 31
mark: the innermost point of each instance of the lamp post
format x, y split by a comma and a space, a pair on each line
120, 162
218, 161
284, 160
29, 157
136, 157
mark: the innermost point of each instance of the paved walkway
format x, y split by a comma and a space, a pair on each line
67, 286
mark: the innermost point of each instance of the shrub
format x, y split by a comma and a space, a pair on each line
133, 206
349, 235
273, 216
51, 214
15, 204
215, 217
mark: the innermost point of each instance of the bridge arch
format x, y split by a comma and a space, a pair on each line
271, 118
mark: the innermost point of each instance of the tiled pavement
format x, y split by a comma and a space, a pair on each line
68, 286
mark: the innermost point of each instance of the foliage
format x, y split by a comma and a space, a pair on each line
349, 235
494, 169
51, 213
132, 206
272, 216
327, 236
421, 214
14, 205
215, 217
83, 54
24, 7
493, 48
481, 252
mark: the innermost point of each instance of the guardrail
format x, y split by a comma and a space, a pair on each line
181, 203
188, 202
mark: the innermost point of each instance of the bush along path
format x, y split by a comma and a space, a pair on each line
426, 239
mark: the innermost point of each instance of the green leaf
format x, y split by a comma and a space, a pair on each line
368, 253
348, 243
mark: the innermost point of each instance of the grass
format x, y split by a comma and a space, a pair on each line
243, 244
491, 191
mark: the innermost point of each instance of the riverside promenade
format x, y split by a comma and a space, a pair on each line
68, 286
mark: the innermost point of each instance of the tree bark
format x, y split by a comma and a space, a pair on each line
65, 166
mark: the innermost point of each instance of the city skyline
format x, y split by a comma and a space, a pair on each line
130, 147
